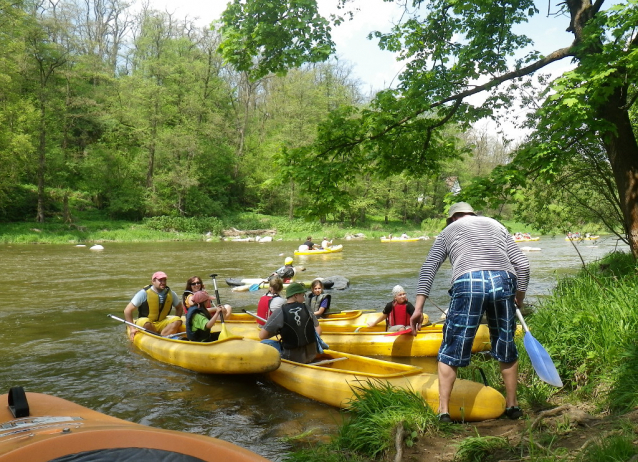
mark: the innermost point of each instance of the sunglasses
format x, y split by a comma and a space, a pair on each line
198, 283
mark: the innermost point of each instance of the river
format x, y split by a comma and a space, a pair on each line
57, 338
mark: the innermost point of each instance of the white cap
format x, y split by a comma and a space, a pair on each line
397, 290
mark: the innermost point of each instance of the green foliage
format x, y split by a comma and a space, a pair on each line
589, 326
378, 408
611, 449
277, 35
482, 449
185, 225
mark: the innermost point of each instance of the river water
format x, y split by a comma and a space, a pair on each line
57, 338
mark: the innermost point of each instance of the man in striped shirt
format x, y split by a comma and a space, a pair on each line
489, 275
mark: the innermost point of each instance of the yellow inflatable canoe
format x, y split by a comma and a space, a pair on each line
374, 341
333, 249
398, 239
233, 355
53, 428
352, 318
331, 378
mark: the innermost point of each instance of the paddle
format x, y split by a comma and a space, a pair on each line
254, 315
255, 287
224, 332
399, 332
542, 363
143, 328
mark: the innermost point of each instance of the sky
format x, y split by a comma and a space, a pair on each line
377, 69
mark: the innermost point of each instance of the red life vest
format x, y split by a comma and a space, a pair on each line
399, 315
263, 307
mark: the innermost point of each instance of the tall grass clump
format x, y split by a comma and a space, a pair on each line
589, 326
374, 415
611, 449
483, 449
378, 409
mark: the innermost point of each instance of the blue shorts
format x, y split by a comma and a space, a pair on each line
475, 293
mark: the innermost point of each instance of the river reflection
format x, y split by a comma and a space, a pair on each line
57, 339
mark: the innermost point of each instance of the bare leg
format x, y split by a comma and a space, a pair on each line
150, 326
447, 377
510, 379
172, 328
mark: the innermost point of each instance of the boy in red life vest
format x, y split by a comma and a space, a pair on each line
397, 312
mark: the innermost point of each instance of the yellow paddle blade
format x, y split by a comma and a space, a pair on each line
225, 333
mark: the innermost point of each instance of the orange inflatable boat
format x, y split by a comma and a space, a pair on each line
38, 428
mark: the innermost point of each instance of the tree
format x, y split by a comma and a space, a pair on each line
450, 48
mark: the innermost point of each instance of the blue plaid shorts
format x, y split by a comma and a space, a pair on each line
475, 293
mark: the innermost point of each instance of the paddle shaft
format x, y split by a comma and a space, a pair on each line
221, 309
254, 316
133, 325
519, 315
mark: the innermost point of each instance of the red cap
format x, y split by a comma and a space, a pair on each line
159, 275
200, 297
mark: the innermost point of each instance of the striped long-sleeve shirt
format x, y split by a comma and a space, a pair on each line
474, 244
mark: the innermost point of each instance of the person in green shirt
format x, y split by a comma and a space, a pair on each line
199, 320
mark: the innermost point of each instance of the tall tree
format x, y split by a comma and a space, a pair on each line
449, 46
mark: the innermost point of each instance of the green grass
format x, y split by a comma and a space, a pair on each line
374, 415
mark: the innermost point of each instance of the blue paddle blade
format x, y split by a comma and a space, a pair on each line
254, 287
542, 363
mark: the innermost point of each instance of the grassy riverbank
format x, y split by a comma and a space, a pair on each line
91, 228
589, 326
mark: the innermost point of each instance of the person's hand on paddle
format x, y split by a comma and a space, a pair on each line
518, 299
132, 332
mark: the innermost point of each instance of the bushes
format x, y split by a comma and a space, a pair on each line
185, 225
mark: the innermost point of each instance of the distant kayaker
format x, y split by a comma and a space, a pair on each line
326, 244
153, 303
397, 312
490, 274
270, 301
199, 320
308, 245
297, 326
288, 271
405, 236
318, 301
193, 285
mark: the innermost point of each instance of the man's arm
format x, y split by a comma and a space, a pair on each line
264, 334
128, 312
179, 309
417, 317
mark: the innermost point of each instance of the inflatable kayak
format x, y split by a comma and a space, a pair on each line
398, 239
347, 319
333, 249
375, 341
333, 375
590, 238
232, 355
237, 282
40, 428
529, 239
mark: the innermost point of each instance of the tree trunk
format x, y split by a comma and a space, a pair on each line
622, 151
41, 158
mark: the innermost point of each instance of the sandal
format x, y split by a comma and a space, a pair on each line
513, 412
444, 418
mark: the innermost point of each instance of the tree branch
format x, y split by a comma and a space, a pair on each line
552, 57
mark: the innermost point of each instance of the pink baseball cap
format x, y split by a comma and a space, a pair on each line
159, 275
200, 296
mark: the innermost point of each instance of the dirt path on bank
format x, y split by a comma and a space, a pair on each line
567, 429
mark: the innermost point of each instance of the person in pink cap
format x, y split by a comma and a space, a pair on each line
154, 303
